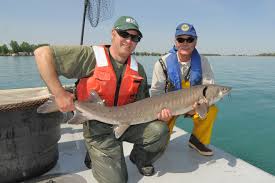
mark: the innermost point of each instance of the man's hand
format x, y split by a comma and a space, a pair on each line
191, 113
65, 101
45, 64
165, 115
199, 108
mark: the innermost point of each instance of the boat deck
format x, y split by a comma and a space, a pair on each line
178, 164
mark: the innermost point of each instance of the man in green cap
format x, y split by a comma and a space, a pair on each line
119, 79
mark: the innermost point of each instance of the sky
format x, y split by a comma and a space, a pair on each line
223, 26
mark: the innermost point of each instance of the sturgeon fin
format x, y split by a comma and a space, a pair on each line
119, 130
202, 109
95, 98
78, 118
48, 107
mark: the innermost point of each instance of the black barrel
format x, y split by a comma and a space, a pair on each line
28, 143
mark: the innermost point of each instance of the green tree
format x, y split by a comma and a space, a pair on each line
14, 46
25, 47
4, 50
1, 50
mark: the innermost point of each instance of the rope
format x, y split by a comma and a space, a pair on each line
26, 98
22, 105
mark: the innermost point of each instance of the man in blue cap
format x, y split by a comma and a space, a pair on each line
181, 68
119, 79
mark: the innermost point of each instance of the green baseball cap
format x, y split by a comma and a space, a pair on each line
127, 23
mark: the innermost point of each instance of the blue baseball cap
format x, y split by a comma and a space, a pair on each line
185, 29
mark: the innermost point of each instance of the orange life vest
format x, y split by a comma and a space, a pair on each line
104, 81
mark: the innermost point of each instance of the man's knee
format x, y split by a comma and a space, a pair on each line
161, 128
159, 131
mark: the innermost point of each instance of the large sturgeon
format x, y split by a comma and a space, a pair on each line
142, 111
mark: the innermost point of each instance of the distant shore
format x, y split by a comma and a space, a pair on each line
27, 49
148, 54
18, 54
15, 49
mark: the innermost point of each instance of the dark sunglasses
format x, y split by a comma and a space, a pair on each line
188, 40
125, 35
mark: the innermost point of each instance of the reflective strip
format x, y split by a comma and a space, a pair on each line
100, 56
134, 64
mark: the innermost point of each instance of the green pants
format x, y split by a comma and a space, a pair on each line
106, 152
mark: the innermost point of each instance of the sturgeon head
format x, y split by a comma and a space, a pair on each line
203, 96
213, 93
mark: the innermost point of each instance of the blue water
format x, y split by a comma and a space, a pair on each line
21, 72
245, 124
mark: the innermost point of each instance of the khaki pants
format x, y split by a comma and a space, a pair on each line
106, 152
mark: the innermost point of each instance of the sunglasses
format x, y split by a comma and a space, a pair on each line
125, 35
188, 40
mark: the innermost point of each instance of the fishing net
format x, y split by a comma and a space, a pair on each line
99, 10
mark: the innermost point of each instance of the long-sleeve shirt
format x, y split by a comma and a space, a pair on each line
159, 79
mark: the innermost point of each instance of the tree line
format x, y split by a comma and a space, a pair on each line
14, 48
144, 53
27, 49
266, 54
